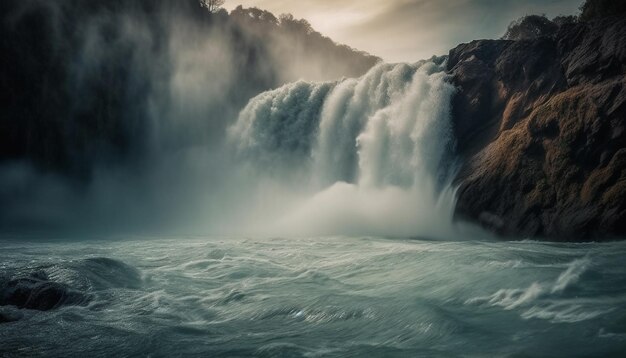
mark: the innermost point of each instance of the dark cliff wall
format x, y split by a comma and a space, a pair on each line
541, 125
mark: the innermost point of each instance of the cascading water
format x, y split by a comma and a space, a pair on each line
373, 153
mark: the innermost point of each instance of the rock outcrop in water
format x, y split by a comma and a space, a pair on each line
37, 292
57, 285
541, 125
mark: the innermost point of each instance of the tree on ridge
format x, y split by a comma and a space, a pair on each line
213, 5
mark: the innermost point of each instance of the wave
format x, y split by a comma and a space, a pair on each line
540, 297
571, 275
564, 313
511, 298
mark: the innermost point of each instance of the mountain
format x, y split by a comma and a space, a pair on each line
541, 129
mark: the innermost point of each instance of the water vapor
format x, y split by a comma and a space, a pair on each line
159, 116
371, 155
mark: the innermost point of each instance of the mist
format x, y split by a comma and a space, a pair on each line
153, 117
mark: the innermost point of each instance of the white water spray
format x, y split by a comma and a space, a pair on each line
371, 155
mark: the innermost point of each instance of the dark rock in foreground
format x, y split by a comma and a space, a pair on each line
36, 292
63, 284
541, 125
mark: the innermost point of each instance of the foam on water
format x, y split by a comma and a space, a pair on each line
544, 300
571, 275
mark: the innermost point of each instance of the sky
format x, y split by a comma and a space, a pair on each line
410, 30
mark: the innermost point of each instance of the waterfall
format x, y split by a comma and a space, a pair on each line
374, 153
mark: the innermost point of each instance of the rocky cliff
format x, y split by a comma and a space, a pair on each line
541, 126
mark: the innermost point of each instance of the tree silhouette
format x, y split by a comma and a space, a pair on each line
213, 5
530, 27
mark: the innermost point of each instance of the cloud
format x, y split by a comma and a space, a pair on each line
409, 30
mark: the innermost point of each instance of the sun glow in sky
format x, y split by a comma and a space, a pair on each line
410, 30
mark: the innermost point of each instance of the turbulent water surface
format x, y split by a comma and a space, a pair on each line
336, 296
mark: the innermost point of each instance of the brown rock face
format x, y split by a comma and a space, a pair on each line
541, 125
